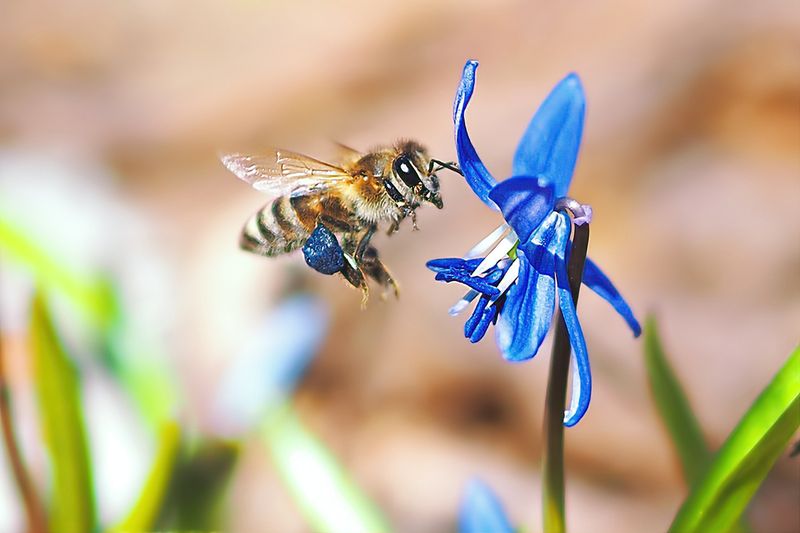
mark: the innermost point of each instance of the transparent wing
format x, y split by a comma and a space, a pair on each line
347, 155
280, 172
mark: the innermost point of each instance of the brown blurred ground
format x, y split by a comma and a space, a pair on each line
691, 161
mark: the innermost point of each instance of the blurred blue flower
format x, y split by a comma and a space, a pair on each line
516, 271
481, 511
273, 362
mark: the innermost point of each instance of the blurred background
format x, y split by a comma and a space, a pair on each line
112, 118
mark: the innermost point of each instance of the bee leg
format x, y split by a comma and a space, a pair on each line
394, 227
355, 277
363, 242
353, 244
376, 270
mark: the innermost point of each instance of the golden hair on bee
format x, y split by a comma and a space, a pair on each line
332, 210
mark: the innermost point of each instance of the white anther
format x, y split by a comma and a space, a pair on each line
487, 242
463, 303
499, 252
508, 279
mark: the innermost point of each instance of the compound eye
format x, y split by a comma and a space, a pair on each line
406, 171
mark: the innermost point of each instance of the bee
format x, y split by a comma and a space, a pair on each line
332, 211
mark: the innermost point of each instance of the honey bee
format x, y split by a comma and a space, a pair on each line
316, 201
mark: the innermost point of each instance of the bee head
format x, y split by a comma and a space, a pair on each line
408, 183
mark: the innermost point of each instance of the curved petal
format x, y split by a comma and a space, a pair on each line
549, 147
444, 264
478, 178
595, 279
528, 311
525, 202
582, 374
478, 323
481, 511
460, 270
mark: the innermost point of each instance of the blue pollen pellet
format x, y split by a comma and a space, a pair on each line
322, 251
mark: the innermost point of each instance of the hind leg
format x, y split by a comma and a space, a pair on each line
352, 271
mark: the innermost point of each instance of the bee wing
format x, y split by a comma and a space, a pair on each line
280, 172
346, 154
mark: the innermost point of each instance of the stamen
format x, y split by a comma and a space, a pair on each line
487, 242
463, 303
508, 279
499, 252
581, 213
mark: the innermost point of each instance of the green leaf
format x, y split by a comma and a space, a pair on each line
329, 500
145, 512
718, 499
138, 365
89, 297
674, 408
196, 500
62, 426
98, 301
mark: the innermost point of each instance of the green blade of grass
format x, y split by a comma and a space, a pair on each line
98, 301
90, 298
328, 499
196, 498
62, 426
146, 510
718, 499
673, 406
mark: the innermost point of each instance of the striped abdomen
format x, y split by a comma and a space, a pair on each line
276, 228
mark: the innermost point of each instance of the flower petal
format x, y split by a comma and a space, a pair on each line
524, 202
460, 270
478, 323
528, 311
478, 178
549, 147
481, 511
582, 388
595, 279
444, 264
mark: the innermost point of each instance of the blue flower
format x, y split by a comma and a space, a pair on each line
516, 271
273, 361
481, 511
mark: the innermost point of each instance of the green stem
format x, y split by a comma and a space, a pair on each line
34, 510
555, 401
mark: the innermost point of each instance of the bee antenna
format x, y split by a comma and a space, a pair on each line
441, 164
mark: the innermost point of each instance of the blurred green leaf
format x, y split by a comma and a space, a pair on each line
718, 499
329, 500
62, 426
197, 493
89, 296
147, 509
674, 408
139, 367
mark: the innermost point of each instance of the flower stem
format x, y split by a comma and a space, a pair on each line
37, 522
555, 401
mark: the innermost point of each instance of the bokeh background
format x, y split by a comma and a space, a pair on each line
112, 117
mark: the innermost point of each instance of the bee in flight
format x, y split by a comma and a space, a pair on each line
315, 201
